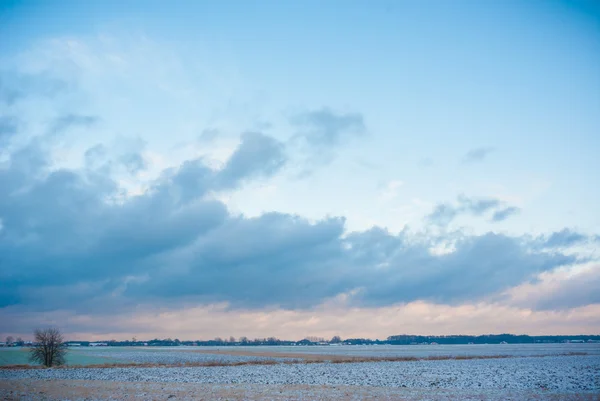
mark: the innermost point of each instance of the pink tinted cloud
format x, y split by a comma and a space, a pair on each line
327, 320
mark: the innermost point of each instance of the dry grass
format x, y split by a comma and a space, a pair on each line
298, 360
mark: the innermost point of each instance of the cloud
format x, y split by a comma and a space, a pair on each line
559, 290
74, 242
64, 238
8, 127
503, 214
425, 162
477, 155
133, 162
208, 135
66, 121
257, 155
563, 238
16, 86
444, 213
206, 322
327, 128
320, 133
390, 190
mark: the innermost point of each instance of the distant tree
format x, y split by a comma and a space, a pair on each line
19, 341
244, 340
272, 341
49, 348
9, 340
335, 340
232, 339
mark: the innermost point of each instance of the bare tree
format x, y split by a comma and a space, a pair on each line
49, 348
9, 340
335, 340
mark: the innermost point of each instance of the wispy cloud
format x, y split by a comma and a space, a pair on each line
503, 214
326, 128
16, 86
67, 121
477, 155
320, 133
444, 213
8, 127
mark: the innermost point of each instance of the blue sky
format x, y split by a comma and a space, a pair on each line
279, 161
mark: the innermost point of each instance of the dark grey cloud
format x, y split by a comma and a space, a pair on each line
477, 155
481, 265
444, 213
63, 245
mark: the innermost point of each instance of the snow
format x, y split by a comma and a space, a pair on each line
544, 374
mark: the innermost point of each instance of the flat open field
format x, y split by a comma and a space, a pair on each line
462, 372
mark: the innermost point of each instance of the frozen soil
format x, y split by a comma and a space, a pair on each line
75, 390
498, 378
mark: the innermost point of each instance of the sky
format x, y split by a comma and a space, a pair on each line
209, 169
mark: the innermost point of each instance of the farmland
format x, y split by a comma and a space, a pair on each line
558, 371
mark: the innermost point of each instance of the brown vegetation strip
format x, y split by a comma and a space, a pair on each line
305, 357
297, 360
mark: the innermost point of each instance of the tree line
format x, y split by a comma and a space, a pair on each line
403, 339
50, 349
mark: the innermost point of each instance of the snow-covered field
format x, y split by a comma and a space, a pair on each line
529, 374
182, 355
164, 356
422, 351
553, 374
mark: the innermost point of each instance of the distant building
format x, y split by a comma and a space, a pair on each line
98, 344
